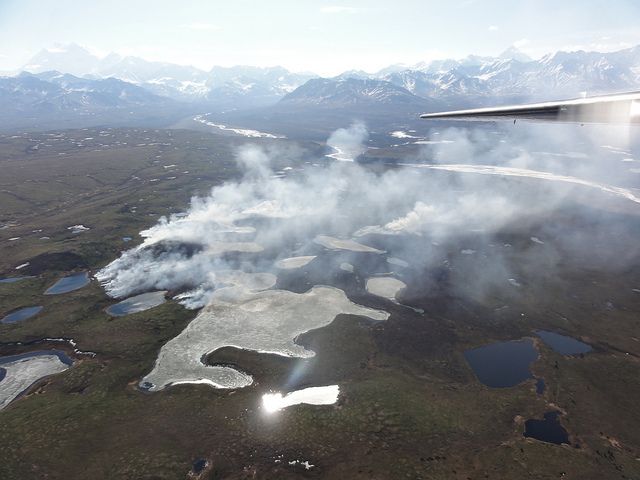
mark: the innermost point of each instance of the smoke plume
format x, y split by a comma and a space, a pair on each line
475, 189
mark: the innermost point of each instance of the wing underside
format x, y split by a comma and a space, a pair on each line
619, 108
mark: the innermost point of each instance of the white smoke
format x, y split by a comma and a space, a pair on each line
250, 224
349, 143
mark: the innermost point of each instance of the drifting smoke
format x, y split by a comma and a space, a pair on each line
349, 143
252, 224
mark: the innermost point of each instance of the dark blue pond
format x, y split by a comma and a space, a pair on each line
199, 465
64, 358
562, 344
540, 386
548, 430
69, 284
21, 314
503, 364
14, 279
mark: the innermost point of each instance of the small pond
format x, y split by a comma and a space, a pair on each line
199, 465
14, 279
68, 284
563, 344
137, 303
503, 364
548, 430
21, 314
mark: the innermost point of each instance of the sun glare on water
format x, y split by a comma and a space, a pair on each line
273, 402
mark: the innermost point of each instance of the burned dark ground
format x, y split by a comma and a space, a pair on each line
410, 404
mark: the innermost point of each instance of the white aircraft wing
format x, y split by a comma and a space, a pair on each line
617, 108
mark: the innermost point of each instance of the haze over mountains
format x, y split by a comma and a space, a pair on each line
237, 86
70, 80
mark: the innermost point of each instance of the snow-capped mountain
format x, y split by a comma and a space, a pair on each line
242, 86
229, 86
139, 71
513, 74
341, 92
56, 100
327, 101
71, 59
512, 53
473, 80
476, 80
53, 90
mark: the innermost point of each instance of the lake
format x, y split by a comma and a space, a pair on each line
548, 430
21, 314
136, 304
563, 344
69, 283
503, 364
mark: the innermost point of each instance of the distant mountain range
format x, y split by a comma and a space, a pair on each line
51, 91
54, 99
343, 92
511, 73
240, 86
71, 80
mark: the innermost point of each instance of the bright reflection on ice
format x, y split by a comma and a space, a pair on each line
294, 262
398, 262
523, 172
634, 111
272, 402
341, 244
245, 132
347, 267
24, 370
387, 287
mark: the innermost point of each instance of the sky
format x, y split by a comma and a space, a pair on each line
319, 36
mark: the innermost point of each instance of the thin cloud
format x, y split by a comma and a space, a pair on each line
597, 46
338, 9
523, 42
201, 26
493, 28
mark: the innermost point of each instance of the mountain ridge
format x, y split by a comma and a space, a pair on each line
122, 88
510, 74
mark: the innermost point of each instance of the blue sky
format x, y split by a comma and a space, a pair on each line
314, 35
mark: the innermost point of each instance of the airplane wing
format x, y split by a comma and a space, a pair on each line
621, 108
